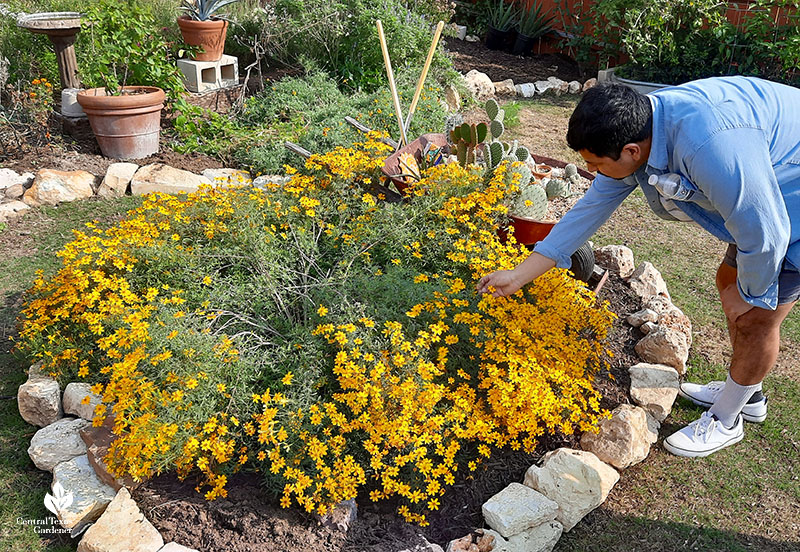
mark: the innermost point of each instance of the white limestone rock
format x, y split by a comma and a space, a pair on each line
574, 87
39, 401
165, 179
461, 32
646, 282
590, 83
58, 442
51, 187
90, 495
9, 178
544, 87
453, 98
117, 179
505, 88
647, 327
623, 440
654, 388
527, 90
223, 178
480, 85
616, 258
576, 480
559, 86
12, 209
122, 528
263, 180
74, 395
640, 317
664, 346
517, 508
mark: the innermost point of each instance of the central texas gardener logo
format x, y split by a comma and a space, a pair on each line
59, 500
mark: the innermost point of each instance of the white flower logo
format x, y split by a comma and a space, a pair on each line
59, 500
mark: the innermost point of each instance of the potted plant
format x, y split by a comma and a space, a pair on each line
502, 16
531, 25
203, 29
127, 72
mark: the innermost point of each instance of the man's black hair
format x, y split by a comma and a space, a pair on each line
608, 117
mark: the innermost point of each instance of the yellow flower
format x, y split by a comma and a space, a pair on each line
322, 311
287, 379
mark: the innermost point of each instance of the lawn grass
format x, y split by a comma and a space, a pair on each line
30, 244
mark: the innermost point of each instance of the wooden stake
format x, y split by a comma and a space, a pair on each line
424, 75
392, 87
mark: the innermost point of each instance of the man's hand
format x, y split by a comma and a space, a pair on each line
505, 282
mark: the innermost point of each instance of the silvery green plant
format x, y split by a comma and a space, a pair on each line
531, 203
556, 187
203, 10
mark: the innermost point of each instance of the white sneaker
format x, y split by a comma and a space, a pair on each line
705, 395
704, 436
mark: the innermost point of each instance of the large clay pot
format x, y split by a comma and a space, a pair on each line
127, 126
209, 35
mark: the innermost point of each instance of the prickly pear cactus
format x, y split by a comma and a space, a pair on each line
494, 154
557, 187
523, 153
492, 108
497, 128
519, 174
531, 203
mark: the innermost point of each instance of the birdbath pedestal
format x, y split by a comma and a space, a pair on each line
61, 28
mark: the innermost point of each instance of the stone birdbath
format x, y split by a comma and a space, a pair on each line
61, 28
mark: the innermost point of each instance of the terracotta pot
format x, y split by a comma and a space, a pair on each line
126, 126
542, 171
209, 35
528, 231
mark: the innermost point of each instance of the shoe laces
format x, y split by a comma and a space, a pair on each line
704, 426
715, 387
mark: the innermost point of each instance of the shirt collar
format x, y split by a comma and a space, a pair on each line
658, 144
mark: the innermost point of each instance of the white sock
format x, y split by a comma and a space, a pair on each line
731, 401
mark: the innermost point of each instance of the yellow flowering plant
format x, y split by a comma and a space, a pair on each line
312, 332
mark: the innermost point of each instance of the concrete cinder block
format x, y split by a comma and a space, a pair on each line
202, 76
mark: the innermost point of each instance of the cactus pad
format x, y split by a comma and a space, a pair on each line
492, 108
557, 188
532, 203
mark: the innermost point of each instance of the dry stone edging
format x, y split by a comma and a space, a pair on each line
121, 528
624, 439
57, 442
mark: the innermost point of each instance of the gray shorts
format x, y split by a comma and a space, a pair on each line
788, 279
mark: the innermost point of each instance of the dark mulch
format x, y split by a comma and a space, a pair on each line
501, 65
249, 521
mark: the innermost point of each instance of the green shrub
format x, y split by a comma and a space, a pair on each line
309, 111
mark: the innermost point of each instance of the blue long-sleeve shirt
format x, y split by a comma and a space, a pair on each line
737, 141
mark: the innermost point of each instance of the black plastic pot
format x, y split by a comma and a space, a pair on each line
497, 39
523, 45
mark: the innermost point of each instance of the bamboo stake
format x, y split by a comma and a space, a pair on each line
424, 75
392, 87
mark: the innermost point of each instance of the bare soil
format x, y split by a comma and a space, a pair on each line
502, 65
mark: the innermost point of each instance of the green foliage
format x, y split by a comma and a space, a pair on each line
502, 14
535, 22
126, 50
203, 10
309, 111
466, 139
341, 38
474, 15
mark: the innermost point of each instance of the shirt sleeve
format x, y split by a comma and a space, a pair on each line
734, 170
582, 221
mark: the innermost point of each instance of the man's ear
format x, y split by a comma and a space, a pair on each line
634, 150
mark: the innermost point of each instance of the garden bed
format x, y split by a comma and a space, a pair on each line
502, 65
248, 520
